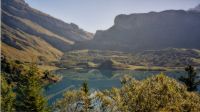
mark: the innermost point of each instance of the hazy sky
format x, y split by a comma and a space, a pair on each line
92, 15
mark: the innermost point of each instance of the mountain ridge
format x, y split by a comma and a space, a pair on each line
147, 31
195, 9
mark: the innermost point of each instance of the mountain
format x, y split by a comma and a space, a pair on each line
195, 9
28, 33
149, 31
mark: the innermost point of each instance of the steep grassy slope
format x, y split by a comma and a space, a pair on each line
28, 34
69, 31
19, 45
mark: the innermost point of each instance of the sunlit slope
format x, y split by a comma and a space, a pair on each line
141, 60
17, 46
28, 33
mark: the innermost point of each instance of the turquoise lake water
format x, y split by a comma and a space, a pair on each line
97, 80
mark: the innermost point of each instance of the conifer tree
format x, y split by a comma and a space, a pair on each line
85, 97
85, 87
192, 80
29, 92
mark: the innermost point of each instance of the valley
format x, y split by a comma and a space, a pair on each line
156, 60
49, 64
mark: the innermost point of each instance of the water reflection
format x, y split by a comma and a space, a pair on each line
107, 73
97, 79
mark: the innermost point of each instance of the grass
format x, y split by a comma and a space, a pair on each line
33, 48
160, 60
48, 67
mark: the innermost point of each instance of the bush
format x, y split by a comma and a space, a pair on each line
157, 93
7, 96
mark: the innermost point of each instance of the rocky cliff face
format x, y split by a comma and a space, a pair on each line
153, 30
28, 31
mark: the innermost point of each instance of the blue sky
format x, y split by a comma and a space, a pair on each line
92, 15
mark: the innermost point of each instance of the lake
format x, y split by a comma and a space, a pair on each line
97, 80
